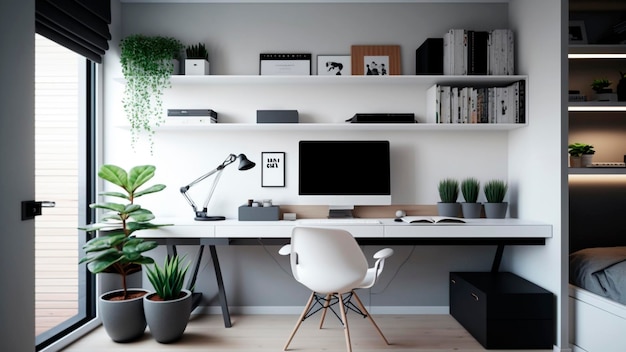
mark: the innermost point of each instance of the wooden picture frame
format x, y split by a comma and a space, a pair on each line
577, 32
273, 169
377, 60
334, 65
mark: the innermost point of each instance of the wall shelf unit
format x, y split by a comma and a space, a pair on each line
354, 127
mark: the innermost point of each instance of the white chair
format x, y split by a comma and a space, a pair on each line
332, 265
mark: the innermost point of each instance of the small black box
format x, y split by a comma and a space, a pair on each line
247, 213
277, 116
429, 57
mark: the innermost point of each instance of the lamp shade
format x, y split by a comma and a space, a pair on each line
244, 163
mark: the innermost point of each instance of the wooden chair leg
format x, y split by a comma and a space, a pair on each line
326, 304
346, 330
369, 316
300, 320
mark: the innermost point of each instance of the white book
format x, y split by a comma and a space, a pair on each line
454, 105
433, 107
447, 54
445, 104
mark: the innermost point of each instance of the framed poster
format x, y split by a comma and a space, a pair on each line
285, 64
376, 60
334, 65
577, 32
273, 170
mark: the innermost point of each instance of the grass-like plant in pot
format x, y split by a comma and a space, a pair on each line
147, 64
197, 51
117, 250
168, 308
495, 191
448, 189
470, 188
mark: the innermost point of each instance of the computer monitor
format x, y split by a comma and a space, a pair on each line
344, 173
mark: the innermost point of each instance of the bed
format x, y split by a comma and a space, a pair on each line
597, 299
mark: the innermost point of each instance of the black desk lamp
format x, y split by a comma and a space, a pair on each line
244, 164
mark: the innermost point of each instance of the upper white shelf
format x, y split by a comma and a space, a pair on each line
335, 80
339, 127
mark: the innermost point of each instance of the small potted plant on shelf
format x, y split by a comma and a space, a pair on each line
601, 87
117, 250
448, 193
169, 306
495, 191
470, 187
581, 154
147, 64
197, 60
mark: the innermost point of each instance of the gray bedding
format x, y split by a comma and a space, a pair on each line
600, 270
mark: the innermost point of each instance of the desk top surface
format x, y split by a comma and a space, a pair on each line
373, 228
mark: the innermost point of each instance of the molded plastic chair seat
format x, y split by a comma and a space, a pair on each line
331, 264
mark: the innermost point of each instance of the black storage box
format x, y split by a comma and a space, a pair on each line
429, 57
247, 213
502, 310
277, 116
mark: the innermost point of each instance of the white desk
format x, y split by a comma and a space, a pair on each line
187, 231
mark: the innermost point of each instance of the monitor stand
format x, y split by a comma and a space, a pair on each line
338, 212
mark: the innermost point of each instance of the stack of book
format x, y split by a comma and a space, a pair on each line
468, 52
502, 104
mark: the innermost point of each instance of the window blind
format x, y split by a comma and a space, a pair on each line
80, 25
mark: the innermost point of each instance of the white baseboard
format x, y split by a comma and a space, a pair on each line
296, 310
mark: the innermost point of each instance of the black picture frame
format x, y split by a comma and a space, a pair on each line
273, 169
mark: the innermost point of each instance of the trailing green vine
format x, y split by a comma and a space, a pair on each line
147, 66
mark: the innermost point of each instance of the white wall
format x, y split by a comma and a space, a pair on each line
236, 33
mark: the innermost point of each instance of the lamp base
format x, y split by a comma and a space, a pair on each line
209, 218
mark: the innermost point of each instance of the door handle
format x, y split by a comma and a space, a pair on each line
31, 208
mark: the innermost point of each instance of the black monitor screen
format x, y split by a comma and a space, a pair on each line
344, 168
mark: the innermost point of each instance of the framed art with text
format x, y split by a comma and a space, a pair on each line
285, 64
376, 60
334, 65
273, 169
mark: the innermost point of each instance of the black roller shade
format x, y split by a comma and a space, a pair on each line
79, 25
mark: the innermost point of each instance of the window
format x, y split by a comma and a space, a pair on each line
64, 144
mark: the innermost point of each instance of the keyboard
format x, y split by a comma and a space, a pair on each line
338, 221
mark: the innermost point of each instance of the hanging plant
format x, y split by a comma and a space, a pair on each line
147, 66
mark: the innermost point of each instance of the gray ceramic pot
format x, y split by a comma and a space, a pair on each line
496, 210
167, 320
123, 320
471, 210
449, 209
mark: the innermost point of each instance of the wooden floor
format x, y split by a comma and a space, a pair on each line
262, 333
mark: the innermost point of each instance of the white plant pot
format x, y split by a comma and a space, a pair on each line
586, 160
196, 67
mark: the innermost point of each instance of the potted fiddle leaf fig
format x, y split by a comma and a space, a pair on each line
197, 60
495, 191
147, 64
448, 193
117, 250
168, 308
470, 188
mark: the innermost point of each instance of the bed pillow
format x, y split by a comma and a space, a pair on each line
601, 270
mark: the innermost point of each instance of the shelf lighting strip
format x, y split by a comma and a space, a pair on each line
596, 56
597, 108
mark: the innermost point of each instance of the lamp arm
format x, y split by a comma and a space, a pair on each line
183, 190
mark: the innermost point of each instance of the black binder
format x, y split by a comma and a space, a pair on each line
429, 57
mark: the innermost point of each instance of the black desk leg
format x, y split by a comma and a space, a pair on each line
495, 266
220, 286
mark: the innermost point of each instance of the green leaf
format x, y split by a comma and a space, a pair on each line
114, 174
138, 176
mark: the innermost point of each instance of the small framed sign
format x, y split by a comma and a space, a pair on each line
273, 170
285, 64
577, 32
376, 60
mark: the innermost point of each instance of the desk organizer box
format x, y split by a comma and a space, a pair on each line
247, 213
